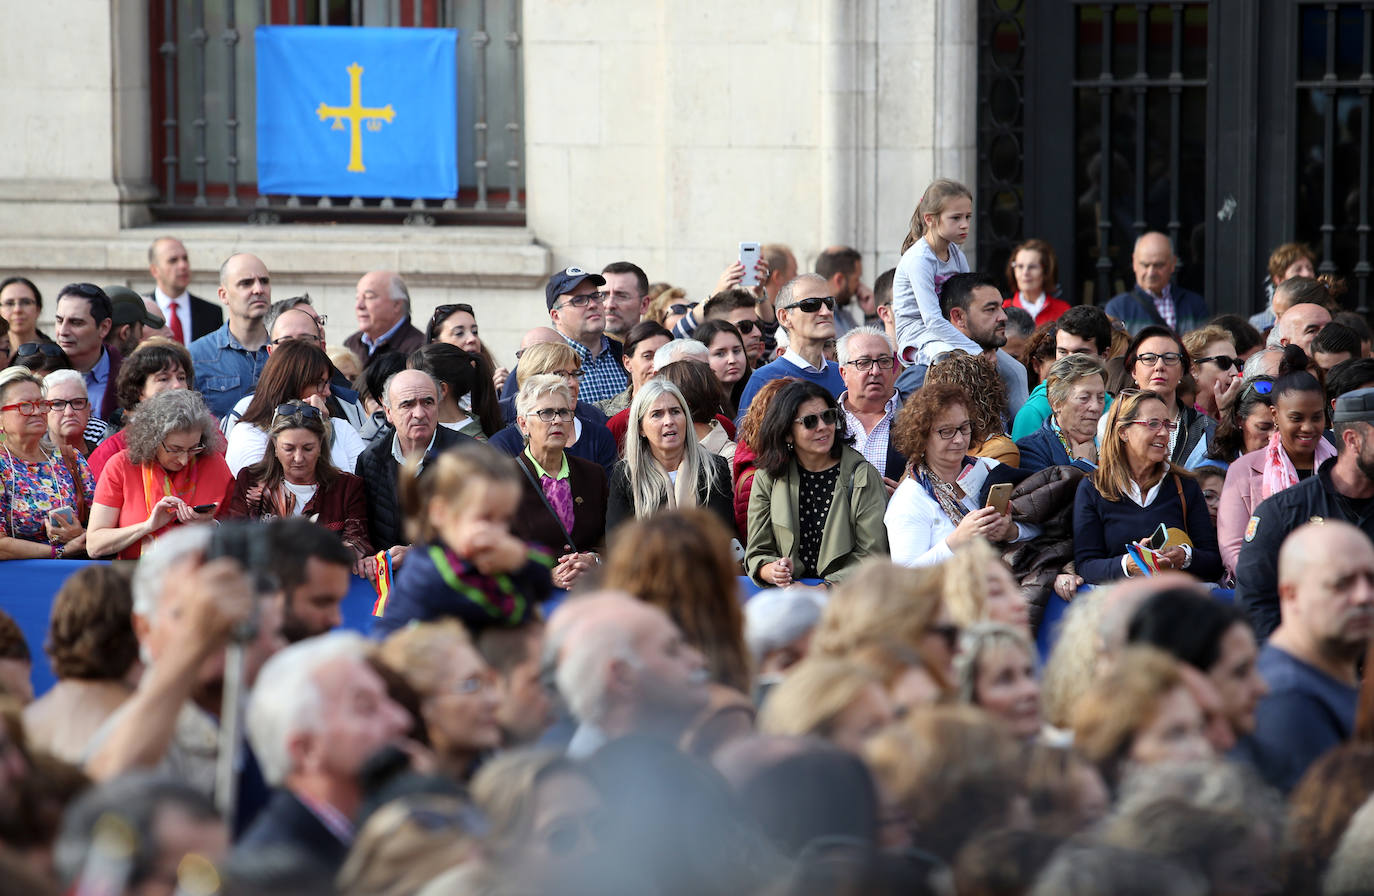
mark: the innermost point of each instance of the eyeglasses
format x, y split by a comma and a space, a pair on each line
182, 452
945, 356
21, 302
47, 349
679, 308
1154, 425
76, 404
948, 433
886, 362
298, 410
570, 374
1223, 362
549, 415
811, 306
303, 337
829, 417
583, 301
29, 408
1170, 359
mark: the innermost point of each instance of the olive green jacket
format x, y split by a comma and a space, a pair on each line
854, 529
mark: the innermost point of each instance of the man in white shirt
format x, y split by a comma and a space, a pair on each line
188, 317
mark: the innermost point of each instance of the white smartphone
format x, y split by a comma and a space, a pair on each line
749, 257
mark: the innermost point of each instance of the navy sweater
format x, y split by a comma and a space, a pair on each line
1102, 529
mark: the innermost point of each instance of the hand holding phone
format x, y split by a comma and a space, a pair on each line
999, 496
749, 257
204, 508
62, 516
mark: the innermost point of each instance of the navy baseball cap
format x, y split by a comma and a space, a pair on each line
564, 282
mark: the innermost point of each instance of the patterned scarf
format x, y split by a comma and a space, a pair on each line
559, 493
1279, 472
154, 491
946, 494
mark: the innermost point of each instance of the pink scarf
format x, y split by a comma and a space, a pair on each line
1279, 472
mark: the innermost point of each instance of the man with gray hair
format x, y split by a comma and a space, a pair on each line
681, 350
411, 401
868, 365
806, 311
624, 668
185, 612
317, 714
382, 308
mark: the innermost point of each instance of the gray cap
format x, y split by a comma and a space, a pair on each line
126, 307
1355, 407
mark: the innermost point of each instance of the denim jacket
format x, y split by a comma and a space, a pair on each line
225, 370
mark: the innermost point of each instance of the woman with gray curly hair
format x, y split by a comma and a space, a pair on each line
172, 473
562, 498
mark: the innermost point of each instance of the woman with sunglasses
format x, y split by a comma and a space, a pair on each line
42, 358
43, 494
20, 305
295, 370
816, 505
70, 422
729, 358
1135, 490
172, 473
296, 478
940, 504
1157, 360
1216, 369
1293, 453
456, 325
562, 498
1245, 426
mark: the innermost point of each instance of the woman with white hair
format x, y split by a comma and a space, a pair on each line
664, 464
777, 628
562, 498
70, 421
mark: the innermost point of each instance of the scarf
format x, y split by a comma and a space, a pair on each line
559, 493
1279, 472
946, 494
154, 491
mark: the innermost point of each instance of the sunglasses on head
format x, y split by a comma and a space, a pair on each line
811, 306
48, 349
1262, 387
829, 417
296, 410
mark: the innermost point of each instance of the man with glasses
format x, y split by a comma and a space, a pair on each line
229, 360
576, 308
188, 317
83, 318
806, 312
382, 308
627, 297
868, 365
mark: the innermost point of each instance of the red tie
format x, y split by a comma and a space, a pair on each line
174, 321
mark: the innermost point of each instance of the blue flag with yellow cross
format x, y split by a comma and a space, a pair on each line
357, 111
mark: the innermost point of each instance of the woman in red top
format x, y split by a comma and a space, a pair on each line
1032, 271
173, 472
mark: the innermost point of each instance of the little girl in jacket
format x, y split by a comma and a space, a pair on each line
463, 562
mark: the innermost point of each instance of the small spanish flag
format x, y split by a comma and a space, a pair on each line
383, 583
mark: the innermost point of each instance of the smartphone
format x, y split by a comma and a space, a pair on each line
1159, 538
204, 508
749, 257
62, 515
999, 496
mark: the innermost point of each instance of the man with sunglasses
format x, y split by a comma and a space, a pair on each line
576, 308
84, 319
740, 308
806, 312
1342, 489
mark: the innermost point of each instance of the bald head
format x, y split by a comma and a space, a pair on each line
1326, 596
1300, 325
1310, 547
538, 336
296, 323
1153, 261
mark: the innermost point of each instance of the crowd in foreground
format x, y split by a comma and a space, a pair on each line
808, 588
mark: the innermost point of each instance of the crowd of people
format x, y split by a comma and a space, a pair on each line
945, 585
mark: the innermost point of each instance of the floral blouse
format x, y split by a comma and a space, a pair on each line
29, 491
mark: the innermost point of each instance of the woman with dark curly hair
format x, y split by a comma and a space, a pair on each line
94, 654
1039, 354
816, 505
172, 473
156, 366
978, 377
939, 504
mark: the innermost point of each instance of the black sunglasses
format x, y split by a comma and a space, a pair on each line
443, 312
1223, 362
48, 349
296, 410
829, 417
811, 306
746, 326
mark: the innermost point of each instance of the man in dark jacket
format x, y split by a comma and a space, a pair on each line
1155, 300
1342, 489
317, 713
411, 401
383, 312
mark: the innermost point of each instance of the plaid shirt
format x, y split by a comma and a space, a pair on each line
603, 376
1164, 304
872, 445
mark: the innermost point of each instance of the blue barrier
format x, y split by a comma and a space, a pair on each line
27, 589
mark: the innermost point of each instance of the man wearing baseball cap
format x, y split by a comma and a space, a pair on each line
574, 299
128, 318
1341, 489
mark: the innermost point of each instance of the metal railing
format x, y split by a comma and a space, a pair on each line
205, 110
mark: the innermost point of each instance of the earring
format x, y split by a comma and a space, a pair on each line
789, 446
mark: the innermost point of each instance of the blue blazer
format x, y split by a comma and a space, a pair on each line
1042, 449
287, 823
1102, 528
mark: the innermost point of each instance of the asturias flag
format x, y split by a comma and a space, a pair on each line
357, 111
